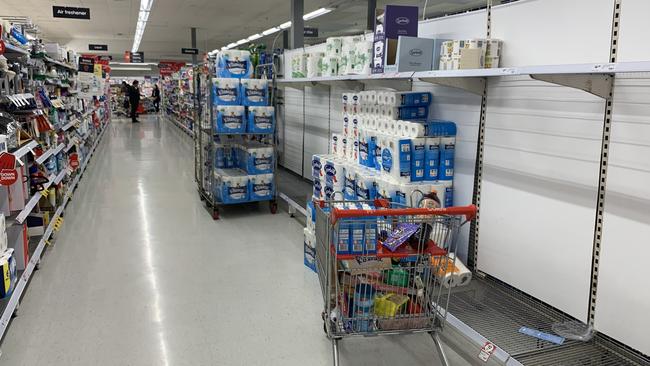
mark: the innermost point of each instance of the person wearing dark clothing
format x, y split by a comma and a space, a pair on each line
134, 100
156, 97
125, 92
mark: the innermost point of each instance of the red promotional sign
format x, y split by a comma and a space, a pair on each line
169, 67
8, 176
2, 47
7, 161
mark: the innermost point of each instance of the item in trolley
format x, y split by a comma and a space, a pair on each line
226, 91
231, 186
310, 249
362, 307
261, 187
400, 235
254, 92
261, 119
450, 271
230, 119
258, 159
389, 305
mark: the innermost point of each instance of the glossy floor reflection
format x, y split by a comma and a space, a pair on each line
141, 275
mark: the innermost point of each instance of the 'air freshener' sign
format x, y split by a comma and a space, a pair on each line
70, 12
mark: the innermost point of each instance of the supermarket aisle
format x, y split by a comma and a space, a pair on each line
141, 275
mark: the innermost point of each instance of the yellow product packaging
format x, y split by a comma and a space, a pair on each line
388, 305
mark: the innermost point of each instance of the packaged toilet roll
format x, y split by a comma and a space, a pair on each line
335, 171
346, 128
335, 144
343, 149
315, 64
318, 186
386, 188
432, 158
462, 275
418, 159
365, 184
413, 129
447, 156
234, 64
259, 159
350, 192
255, 92
261, 119
363, 55
318, 162
449, 193
354, 119
396, 158
230, 119
334, 191
226, 91
299, 65
261, 187
333, 46
330, 66
232, 185
444, 270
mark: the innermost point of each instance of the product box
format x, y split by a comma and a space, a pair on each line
9, 273
309, 249
234, 64
261, 187
414, 99
254, 92
231, 186
226, 91
230, 119
410, 113
394, 21
414, 54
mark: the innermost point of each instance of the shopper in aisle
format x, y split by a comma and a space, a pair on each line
156, 97
134, 100
126, 91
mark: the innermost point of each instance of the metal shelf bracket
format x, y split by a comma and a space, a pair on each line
472, 85
599, 85
395, 84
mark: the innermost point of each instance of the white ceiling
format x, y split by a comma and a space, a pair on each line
218, 22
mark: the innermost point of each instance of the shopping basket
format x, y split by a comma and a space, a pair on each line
382, 267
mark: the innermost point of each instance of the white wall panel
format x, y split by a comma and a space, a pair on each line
293, 130
634, 30
623, 298
541, 158
545, 32
468, 25
317, 125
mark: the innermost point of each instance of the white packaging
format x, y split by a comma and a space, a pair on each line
333, 46
299, 65
318, 165
310, 237
335, 171
330, 66
335, 143
385, 188
315, 64
462, 275
365, 181
414, 129
354, 126
363, 55
343, 150
318, 188
233, 178
346, 127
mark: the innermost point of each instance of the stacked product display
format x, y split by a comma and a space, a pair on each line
51, 119
179, 98
343, 56
470, 54
238, 156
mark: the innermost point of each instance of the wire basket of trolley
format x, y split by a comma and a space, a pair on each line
382, 267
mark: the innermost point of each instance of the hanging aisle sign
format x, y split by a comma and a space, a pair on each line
190, 51
70, 12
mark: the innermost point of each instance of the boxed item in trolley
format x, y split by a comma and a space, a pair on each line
256, 158
234, 64
230, 119
226, 91
261, 187
261, 119
231, 185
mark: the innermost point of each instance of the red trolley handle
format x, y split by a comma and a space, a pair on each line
468, 211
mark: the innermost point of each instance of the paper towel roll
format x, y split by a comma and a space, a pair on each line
444, 270
464, 275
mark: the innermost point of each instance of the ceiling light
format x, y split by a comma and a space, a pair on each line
224, 48
254, 37
285, 25
241, 41
131, 68
316, 13
270, 31
143, 17
232, 45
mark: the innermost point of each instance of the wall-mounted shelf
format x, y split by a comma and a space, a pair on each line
26, 148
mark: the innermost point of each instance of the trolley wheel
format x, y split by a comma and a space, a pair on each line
274, 207
215, 213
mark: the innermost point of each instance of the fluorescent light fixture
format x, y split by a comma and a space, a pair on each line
224, 48
130, 69
254, 37
241, 41
231, 45
316, 13
285, 25
271, 31
143, 17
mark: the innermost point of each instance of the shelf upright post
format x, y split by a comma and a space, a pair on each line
472, 253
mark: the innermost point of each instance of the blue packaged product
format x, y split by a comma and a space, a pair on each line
364, 151
413, 99
350, 192
449, 194
234, 64
261, 187
231, 186
254, 92
409, 113
259, 159
230, 119
440, 128
447, 156
261, 119
362, 306
365, 186
357, 237
226, 91
342, 237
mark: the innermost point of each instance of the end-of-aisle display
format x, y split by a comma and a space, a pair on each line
179, 99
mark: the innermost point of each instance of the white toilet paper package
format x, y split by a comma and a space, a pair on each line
261, 187
226, 91
299, 65
254, 92
230, 119
315, 64
261, 119
231, 185
234, 64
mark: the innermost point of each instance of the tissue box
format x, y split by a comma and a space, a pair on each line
9, 273
432, 158
234, 64
414, 54
255, 92
230, 119
447, 155
261, 119
410, 113
226, 91
261, 187
231, 186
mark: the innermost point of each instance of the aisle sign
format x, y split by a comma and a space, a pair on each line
70, 12
310, 32
98, 47
190, 51
137, 57
87, 64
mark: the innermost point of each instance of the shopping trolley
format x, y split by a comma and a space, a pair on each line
382, 267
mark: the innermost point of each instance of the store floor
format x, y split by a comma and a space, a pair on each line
141, 275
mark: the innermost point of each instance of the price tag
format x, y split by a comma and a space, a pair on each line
605, 67
47, 242
59, 220
486, 351
45, 193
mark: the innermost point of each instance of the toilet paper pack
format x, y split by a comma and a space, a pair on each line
318, 186
259, 159
230, 119
334, 191
254, 92
350, 191
419, 113
335, 171
406, 99
234, 64
396, 158
447, 156
226, 91
365, 184
231, 185
309, 248
330, 66
315, 64
261, 119
318, 162
333, 46
299, 65
335, 144
261, 187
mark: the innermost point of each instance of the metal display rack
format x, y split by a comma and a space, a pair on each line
487, 310
206, 140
